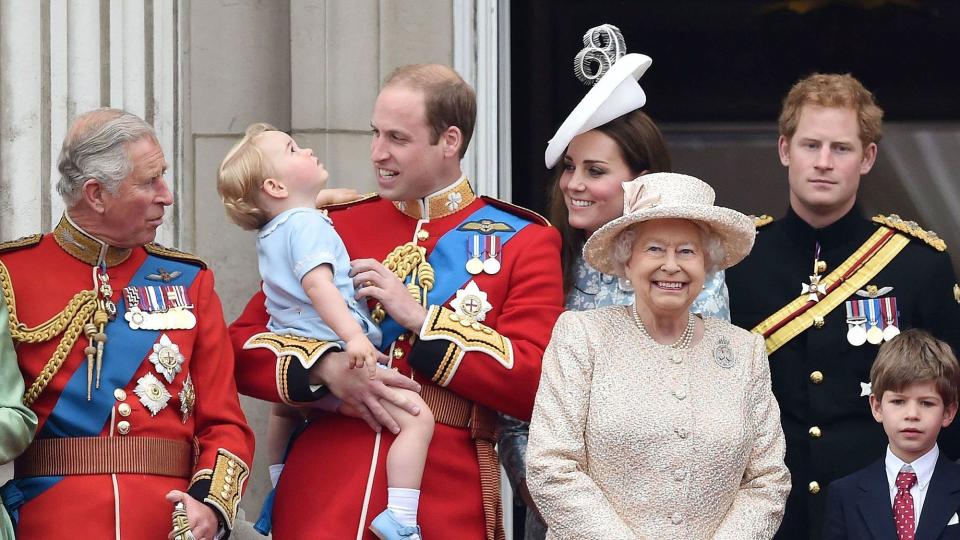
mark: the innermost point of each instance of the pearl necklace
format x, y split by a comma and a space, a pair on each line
685, 338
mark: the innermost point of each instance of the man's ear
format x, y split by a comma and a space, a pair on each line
869, 158
452, 140
274, 188
783, 148
93, 194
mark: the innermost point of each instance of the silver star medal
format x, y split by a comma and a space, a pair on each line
814, 290
470, 306
152, 393
188, 397
866, 389
167, 358
723, 354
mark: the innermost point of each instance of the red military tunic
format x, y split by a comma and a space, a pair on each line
466, 375
200, 425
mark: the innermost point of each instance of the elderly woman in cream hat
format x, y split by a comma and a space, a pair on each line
651, 421
606, 139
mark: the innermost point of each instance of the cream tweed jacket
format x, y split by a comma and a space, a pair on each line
633, 439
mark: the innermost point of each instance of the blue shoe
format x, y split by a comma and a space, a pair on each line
388, 528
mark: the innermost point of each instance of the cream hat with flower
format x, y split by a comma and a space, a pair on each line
671, 196
602, 61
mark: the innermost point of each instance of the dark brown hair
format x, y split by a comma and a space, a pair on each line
915, 356
643, 149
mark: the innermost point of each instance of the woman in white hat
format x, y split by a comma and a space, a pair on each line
604, 141
652, 421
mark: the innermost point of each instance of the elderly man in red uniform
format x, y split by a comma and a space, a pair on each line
124, 351
468, 291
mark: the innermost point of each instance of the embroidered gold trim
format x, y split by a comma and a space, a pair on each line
447, 201
85, 248
451, 359
442, 323
22, 242
171, 253
307, 350
226, 485
913, 229
202, 474
70, 322
762, 221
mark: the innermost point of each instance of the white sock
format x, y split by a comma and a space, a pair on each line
275, 471
403, 503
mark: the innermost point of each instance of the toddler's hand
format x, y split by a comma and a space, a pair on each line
361, 352
336, 196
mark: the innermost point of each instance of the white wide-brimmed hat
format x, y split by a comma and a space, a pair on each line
615, 93
671, 196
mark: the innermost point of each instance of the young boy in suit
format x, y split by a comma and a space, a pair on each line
913, 492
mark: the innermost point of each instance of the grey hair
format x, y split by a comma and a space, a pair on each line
713, 252
95, 147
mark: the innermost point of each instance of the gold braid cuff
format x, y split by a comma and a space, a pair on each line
70, 322
443, 324
287, 347
226, 484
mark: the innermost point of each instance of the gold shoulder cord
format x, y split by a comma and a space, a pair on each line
70, 321
408, 260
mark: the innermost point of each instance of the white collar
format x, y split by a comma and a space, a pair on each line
923, 466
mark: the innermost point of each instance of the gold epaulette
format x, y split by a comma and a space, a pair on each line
913, 229
20, 243
762, 221
518, 210
175, 254
365, 197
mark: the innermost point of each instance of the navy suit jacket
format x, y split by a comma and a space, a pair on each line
858, 505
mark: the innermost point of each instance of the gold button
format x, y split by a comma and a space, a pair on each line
123, 427
818, 322
402, 337
815, 432
397, 352
120, 394
123, 409
816, 377
813, 488
821, 267
423, 235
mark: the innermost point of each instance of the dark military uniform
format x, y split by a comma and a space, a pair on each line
817, 376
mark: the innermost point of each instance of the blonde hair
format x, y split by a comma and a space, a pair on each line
240, 177
832, 90
915, 356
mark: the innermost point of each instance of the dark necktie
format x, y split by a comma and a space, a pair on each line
903, 514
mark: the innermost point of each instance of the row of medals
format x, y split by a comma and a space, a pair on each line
860, 330
485, 259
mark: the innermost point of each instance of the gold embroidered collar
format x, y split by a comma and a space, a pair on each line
84, 247
448, 200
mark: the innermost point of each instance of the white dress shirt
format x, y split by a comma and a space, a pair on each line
922, 467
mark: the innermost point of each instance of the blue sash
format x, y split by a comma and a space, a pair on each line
449, 261
73, 415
